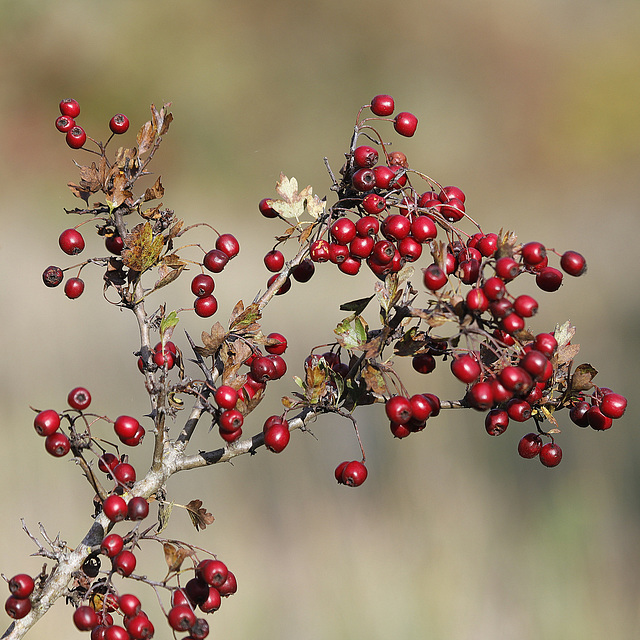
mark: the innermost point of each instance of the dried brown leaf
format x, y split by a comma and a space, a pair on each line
175, 556
118, 191
200, 517
157, 191
79, 192
143, 249
582, 377
374, 379
145, 137
211, 341
245, 319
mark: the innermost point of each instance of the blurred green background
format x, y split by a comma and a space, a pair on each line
532, 108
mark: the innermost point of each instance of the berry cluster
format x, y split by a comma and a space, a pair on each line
18, 604
75, 134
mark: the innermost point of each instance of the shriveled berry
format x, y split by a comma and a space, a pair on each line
52, 276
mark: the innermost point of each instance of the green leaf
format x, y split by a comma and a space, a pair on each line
357, 306
168, 323
352, 332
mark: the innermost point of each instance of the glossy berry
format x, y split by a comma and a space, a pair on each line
112, 545
139, 627
423, 363
85, 618
215, 260
398, 409
373, 204
126, 427
350, 265
319, 251
57, 444
46, 422
480, 396
115, 508
226, 397
17, 608
114, 244
423, 228
280, 347
213, 572
533, 253
230, 420
228, 244
52, 276
107, 462
465, 368
434, 277
202, 285
124, 473
597, 420
274, 260
343, 231
496, 422
181, 617
115, 632
365, 157
550, 454
477, 300
304, 271
613, 405
119, 123
266, 210
124, 563
573, 263
79, 398
73, 288
65, 123
525, 306
405, 124
395, 227
70, 107
21, 585
384, 177
530, 445
545, 343
519, 410
137, 508
354, 474
76, 137
205, 306
507, 268
382, 105
229, 587
364, 180
549, 279
277, 437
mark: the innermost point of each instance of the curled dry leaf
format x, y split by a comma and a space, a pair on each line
200, 517
175, 556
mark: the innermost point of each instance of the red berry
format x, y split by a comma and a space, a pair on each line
115, 508
343, 231
525, 306
228, 244
266, 210
573, 263
46, 422
119, 123
480, 396
212, 603
496, 422
382, 105
423, 228
205, 306
421, 408
597, 420
579, 414
230, 420
494, 288
530, 445
613, 405
112, 545
52, 276
423, 362
73, 288
70, 107
354, 474
364, 180
65, 123
215, 260
134, 440
304, 271
226, 397
181, 617
516, 379
21, 585
453, 210
533, 253
434, 277
465, 368
405, 124
280, 347
85, 618
398, 409
519, 410
507, 268
277, 436
549, 279
76, 137
17, 608
139, 626
115, 632
79, 398
107, 462
57, 444
545, 343
283, 287
137, 508
365, 156
373, 204
124, 473
126, 427
164, 358
213, 572
114, 244
124, 563
229, 587
477, 300
384, 176
202, 285
319, 251
550, 454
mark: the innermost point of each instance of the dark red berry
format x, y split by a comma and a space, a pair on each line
52, 276
115, 508
266, 210
549, 279
73, 288
85, 618
202, 285
507, 268
228, 244
181, 617
139, 627
579, 414
57, 444
124, 473
519, 410
137, 508
205, 306
17, 608
545, 343
119, 123
21, 585
215, 260
304, 271
384, 176
229, 587
354, 474
79, 398
382, 105
112, 545
423, 363
114, 244
124, 563
283, 287
597, 420
398, 409
550, 454
480, 396
530, 445
573, 263
212, 603
496, 422
525, 306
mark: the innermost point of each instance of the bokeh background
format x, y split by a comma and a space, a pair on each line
532, 108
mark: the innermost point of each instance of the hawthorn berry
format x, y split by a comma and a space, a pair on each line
114, 244
124, 474
365, 156
354, 473
57, 444
17, 608
85, 618
228, 244
423, 362
181, 617
280, 347
530, 445
597, 420
579, 414
205, 306
373, 204
434, 277
525, 306
496, 422
46, 422
304, 271
213, 572
405, 124
230, 420
284, 287
226, 397
202, 285
52, 276
382, 105
115, 508
506, 268
119, 123
76, 137
137, 508
364, 180
533, 253
613, 405
126, 427
549, 279
277, 436
212, 603
21, 585
573, 263
115, 632
319, 251
73, 288
550, 454
79, 398
266, 210
466, 368
65, 123
215, 260
124, 563
70, 107
398, 409
343, 231
519, 410
229, 587
112, 545
480, 396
